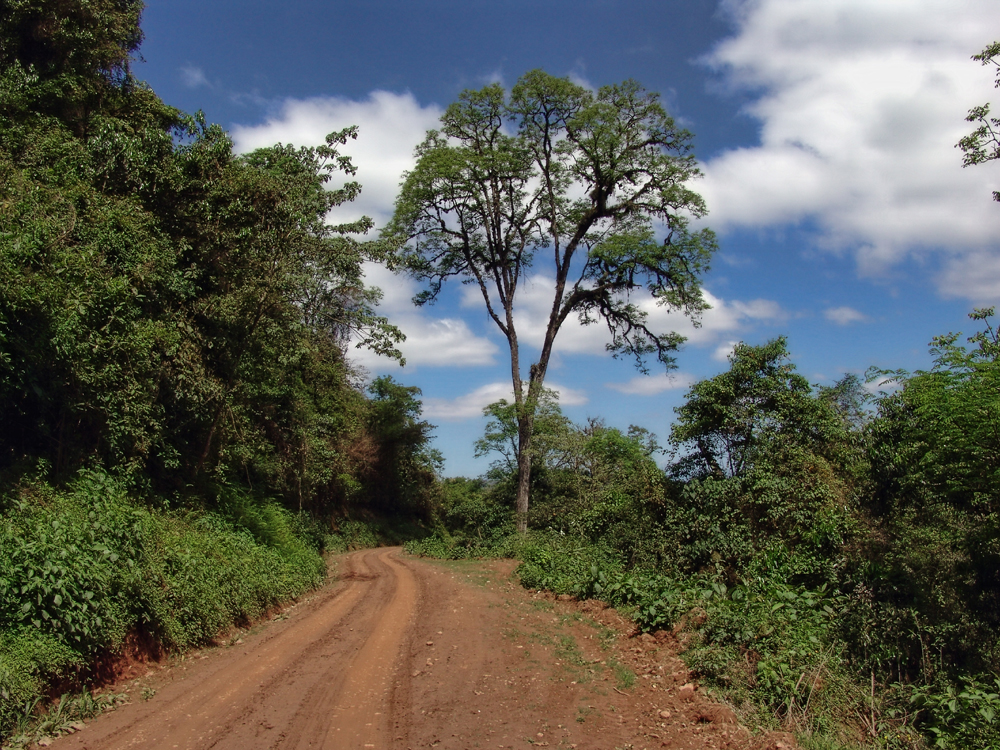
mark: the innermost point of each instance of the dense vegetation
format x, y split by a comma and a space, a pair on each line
182, 432
828, 559
584, 174
183, 435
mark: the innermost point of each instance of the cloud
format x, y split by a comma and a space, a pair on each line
722, 319
578, 75
390, 126
442, 342
735, 261
860, 103
724, 350
434, 342
650, 385
534, 303
568, 396
471, 405
881, 385
467, 406
194, 77
974, 276
758, 309
843, 316
493, 76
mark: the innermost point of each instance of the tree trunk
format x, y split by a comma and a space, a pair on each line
211, 434
524, 427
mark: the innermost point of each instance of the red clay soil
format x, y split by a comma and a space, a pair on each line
399, 652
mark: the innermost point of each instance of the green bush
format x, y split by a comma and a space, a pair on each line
964, 717
81, 568
765, 644
70, 563
352, 535
474, 520
566, 565
28, 661
204, 575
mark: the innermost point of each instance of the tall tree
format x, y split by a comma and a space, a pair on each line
593, 181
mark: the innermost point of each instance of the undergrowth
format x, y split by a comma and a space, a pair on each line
81, 568
64, 716
771, 649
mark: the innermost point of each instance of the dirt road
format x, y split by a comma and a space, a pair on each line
398, 652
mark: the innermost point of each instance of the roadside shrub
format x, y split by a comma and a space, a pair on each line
28, 661
474, 520
565, 565
82, 567
769, 646
474, 514
436, 545
444, 546
775, 645
966, 716
70, 562
204, 575
350, 535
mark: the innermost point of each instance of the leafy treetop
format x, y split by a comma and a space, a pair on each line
598, 182
983, 143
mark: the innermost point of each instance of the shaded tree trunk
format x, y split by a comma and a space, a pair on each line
525, 424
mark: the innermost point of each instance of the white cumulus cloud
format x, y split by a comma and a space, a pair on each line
389, 127
974, 276
470, 405
650, 385
860, 104
724, 350
430, 341
843, 316
534, 303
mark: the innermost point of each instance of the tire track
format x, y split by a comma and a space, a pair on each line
362, 710
403, 653
309, 683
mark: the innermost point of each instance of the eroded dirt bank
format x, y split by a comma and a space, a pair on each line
405, 653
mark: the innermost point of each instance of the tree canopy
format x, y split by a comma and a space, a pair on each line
730, 420
983, 143
170, 310
597, 183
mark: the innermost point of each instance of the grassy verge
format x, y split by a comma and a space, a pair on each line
82, 568
770, 649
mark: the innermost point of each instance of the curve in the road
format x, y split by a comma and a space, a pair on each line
321, 681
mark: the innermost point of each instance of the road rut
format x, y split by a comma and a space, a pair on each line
403, 653
320, 679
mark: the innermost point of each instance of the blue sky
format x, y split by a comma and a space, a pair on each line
825, 130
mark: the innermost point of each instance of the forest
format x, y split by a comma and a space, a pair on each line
180, 421
184, 436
